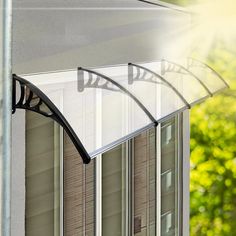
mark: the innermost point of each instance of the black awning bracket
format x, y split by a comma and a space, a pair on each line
33, 99
151, 80
94, 81
142, 74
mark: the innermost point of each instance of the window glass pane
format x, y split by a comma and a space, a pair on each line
144, 184
114, 187
169, 178
42, 176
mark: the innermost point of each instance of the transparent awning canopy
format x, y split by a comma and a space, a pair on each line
103, 107
212, 80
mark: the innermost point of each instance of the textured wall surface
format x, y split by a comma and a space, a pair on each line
54, 35
79, 193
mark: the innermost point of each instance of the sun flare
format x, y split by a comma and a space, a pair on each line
213, 20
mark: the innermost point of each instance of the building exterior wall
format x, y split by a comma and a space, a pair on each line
59, 36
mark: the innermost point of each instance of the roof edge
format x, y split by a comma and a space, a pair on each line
167, 5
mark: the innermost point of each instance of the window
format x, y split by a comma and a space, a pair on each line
133, 189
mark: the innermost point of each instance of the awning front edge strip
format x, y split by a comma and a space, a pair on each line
123, 139
24, 102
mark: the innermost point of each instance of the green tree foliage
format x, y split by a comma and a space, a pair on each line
213, 155
182, 2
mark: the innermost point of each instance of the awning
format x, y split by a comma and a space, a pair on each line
102, 107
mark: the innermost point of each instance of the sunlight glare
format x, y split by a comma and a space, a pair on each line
217, 16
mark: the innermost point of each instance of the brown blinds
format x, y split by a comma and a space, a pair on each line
144, 184
79, 193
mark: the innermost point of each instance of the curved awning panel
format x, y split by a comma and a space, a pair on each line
187, 83
159, 98
100, 112
206, 74
102, 107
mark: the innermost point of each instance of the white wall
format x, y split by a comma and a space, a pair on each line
18, 174
186, 172
51, 35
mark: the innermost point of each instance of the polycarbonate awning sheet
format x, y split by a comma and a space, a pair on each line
206, 74
106, 106
159, 98
99, 112
189, 85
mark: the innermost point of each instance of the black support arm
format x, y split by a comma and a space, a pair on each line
33, 99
